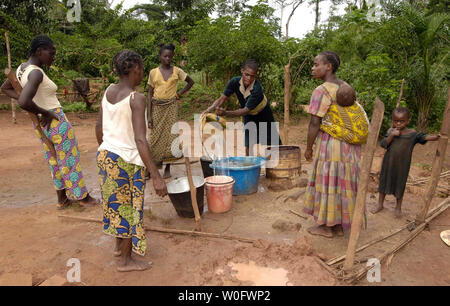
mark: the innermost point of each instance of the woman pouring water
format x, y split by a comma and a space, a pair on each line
254, 108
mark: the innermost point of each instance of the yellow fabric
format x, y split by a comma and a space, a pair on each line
259, 107
212, 118
165, 89
349, 124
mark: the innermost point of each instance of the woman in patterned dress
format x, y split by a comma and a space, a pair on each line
39, 97
331, 192
122, 158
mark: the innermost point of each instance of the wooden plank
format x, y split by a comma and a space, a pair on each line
287, 97
366, 162
437, 163
436, 212
193, 194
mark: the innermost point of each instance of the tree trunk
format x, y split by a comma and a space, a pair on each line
422, 120
316, 25
294, 7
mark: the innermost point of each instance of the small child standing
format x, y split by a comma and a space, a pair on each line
399, 143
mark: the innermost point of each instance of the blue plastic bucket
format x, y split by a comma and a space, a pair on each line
245, 170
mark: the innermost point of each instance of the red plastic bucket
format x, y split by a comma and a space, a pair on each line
219, 193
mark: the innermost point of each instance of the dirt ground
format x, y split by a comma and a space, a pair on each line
37, 242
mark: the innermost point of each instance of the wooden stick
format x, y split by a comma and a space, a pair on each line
287, 97
13, 110
8, 50
181, 162
396, 248
193, 194
366, 162
325, 266
297, 214
438, 161
13, 105
365, 246
294, 196
401, 93
169, 230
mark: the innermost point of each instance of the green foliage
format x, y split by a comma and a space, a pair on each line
76, 107
221, 46
409, 42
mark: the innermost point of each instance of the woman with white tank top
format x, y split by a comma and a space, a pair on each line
39, 97
122, 157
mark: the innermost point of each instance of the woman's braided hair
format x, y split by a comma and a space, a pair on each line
163, 47
40, 41
332, 58
124, 60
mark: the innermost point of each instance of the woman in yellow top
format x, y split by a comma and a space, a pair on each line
163, 107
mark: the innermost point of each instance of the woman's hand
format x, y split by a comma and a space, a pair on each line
208, 110
160, 186
308, 154
150, 123
220, 111
46, 119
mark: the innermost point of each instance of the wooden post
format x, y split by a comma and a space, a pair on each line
8, 51
193, 194
401, 93
287, 97
366, 163
437, 163
13, 110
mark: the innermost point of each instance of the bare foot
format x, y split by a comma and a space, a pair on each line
118, 247
321, 230
147, 175
166, 174
398, 213
89, 201
64, 204
338, 230
135, 265
376, 209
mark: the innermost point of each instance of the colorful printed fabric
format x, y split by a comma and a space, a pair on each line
122, 185
332, 186
65, 167
162, 141
349, 124
321, 99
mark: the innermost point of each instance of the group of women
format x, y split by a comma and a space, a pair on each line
127, 150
